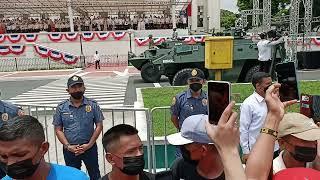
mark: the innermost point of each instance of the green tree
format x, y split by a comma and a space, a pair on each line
228, 18
276, 5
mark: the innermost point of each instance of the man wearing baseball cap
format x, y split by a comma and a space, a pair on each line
201, 159
298, 137
78, 124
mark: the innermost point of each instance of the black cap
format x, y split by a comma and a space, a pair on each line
196, 74
74, 80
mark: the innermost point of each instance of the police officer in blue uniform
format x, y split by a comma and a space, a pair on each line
8, 111
78, 124
191, 102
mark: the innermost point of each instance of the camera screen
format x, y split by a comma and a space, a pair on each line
219, 99
286, 74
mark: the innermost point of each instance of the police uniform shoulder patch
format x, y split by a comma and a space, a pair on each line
88, 108
5, 117
204, 102
174, 100
194, 72
75, 78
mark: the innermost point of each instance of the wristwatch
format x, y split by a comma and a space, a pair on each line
269, 131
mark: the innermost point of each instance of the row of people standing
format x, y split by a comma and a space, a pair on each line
34, 25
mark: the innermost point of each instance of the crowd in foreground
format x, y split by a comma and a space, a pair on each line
207, 151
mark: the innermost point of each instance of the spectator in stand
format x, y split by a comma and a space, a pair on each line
86, 24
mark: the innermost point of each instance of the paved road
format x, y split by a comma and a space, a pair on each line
107, 91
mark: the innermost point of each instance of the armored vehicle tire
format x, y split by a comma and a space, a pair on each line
250, 73
150, 73
182, 76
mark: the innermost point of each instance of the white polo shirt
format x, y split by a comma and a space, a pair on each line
279, 165
253, 112
265, 49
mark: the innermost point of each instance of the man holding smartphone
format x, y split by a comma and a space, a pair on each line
190, 102
253, 113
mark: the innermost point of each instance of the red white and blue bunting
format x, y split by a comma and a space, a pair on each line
118, 35
158, 40
15, 50
4, 50
142, 41
103, 35
59, 36
2, 38
55, 37
30, 37
71, 36
14, 38
55, 55
88, 36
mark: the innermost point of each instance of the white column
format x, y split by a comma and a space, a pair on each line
70, 14
205, 15
194, 15
173, 14
214, 15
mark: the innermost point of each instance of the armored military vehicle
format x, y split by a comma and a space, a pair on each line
175, 60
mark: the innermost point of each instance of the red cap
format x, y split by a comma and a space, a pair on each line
297, 174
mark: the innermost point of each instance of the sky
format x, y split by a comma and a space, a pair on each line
230, 5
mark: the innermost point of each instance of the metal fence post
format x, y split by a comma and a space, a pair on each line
49, 63
15, 60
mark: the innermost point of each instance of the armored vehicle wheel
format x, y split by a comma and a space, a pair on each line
250, 73
182, 76
150, 73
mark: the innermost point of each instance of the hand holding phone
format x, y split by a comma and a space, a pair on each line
219, 93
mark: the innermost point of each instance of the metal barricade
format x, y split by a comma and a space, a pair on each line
161, 116
114, 60
139, 118
27, 64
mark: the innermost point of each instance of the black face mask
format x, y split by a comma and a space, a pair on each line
20, 170
265, 89
133, 165
187, 156
77, 95
195, 87
304, 154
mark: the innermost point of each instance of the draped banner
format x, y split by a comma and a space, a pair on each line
88, 36
142, 41
15, 50
2, 38
55, 37
30, 37
59, 36
316, 41
71, 36
55, 54
103, 35
4, 50
118, 35
158, 40
14, 38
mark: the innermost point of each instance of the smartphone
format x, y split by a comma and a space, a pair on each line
219, 93
287, 77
